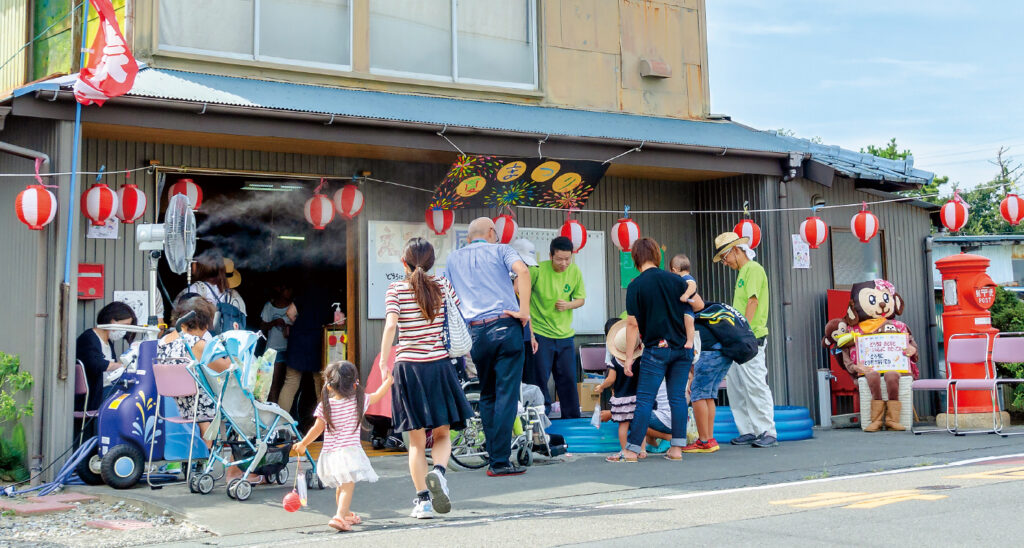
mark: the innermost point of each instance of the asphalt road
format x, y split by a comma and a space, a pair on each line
843, 487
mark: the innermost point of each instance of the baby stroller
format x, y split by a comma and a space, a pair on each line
258, 436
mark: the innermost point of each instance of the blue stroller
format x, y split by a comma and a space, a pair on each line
257, 436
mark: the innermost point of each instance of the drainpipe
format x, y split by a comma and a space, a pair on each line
787, 306
36, 442
933, 324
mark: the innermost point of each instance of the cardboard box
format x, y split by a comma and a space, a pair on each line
589, 400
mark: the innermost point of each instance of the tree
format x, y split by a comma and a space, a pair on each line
928, 192
983, 201
890, 151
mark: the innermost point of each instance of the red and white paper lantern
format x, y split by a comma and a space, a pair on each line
440, 220
99, 203
954, 214
864, 225
348, 200
624, 233
131, 204
319, 211
748, 229
576, 232
35, 206
813, 231
506, 228
1012, 209
190, 189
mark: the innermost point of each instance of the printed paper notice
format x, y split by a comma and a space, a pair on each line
105, 232
883, 352
801, 252
138, 301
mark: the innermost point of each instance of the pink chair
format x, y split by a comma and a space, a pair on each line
592, 358
962, 348
82, 388
174, 380
1006, 348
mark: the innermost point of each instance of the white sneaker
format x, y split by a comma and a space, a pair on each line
422, 509
438, 486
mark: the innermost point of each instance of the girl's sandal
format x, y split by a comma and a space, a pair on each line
339, 524
353, 519
619, 457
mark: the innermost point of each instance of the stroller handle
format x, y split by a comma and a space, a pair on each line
181, 321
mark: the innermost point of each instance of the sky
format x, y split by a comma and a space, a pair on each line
945, 78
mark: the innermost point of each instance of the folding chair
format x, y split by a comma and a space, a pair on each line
971, 348
962, 348
174, 380
82, 388
1006, 348
592, 358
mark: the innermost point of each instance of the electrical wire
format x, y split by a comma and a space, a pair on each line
40, 35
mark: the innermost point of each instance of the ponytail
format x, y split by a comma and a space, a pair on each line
427, 293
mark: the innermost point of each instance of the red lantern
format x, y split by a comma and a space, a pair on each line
319, 211
35, 206
131, 203
954, 214
814, 231
864, 225
1012, 209
575, 231
506, 227
748, 229
348, 200
190, 189
440, 220
624, 233
99, 203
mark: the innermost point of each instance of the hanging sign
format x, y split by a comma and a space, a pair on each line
492, 181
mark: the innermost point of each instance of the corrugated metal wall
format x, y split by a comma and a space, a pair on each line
13, 34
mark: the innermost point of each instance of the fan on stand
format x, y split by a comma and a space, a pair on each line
175, 239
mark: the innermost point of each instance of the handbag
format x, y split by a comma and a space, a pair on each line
455, 334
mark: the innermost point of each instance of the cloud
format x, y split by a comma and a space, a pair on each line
760, 29
933, 69
861, 82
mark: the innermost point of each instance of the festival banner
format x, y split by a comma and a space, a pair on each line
111, 68
883, 352
499, 182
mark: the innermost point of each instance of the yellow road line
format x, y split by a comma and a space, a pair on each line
1005, 473
857, 500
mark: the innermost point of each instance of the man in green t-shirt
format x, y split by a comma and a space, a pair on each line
557, 291
747, 383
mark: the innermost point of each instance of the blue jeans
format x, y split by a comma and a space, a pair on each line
672, 365
558, 357
708, 373
498, 355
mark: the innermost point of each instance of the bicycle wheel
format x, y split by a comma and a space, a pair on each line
468, 446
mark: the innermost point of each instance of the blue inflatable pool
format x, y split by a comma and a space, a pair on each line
792, 423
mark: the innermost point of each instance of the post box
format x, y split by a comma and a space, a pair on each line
967, 294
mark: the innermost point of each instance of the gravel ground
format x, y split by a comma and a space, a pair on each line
68, 528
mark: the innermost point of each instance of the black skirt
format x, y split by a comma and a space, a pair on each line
428, 395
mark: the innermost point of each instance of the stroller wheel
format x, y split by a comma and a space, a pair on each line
309, 479
193, 483
282, 476
242, 490
204, 484
231, 487
524, 456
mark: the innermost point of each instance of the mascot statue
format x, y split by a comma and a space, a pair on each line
873, 308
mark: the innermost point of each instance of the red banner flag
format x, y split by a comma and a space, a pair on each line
111, 69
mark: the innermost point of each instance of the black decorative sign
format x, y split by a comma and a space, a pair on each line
492, 181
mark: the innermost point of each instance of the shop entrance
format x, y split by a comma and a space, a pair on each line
258, 222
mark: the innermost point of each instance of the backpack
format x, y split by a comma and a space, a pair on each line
731, 329
228, 315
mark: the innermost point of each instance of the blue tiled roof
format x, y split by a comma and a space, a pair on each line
536, 120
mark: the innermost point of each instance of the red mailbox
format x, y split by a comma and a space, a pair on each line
967, 294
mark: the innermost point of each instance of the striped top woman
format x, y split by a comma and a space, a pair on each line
427, 393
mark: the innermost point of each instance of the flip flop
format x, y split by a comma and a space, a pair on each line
642, 455
339, 524
618, 457
668, 457
353, 519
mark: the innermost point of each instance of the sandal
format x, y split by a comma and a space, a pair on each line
353, 519
618, 457
670, 457
339, 524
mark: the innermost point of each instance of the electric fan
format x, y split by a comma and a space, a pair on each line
175, 238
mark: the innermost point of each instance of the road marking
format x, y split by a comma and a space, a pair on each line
1005, 473
857, 500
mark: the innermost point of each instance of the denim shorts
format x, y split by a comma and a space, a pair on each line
708, 373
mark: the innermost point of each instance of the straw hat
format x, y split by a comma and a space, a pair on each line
726, 241
234, 277
616, 342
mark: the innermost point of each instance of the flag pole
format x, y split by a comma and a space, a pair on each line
75, 150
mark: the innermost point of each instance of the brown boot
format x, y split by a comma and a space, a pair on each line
892, 415
877, 414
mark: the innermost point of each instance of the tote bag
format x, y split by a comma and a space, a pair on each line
456, 335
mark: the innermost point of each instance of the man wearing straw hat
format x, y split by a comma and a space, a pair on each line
749, 395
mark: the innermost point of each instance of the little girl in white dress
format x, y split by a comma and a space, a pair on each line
339, 416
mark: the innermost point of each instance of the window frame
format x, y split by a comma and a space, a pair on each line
255, 56
832, 255
532, 17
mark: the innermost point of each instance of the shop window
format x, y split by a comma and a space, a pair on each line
466, 41
854, 261
315, 33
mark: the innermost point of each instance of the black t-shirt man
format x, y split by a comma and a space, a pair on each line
653, 298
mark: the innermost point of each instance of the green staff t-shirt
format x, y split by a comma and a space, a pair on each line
548, 288
753, 282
